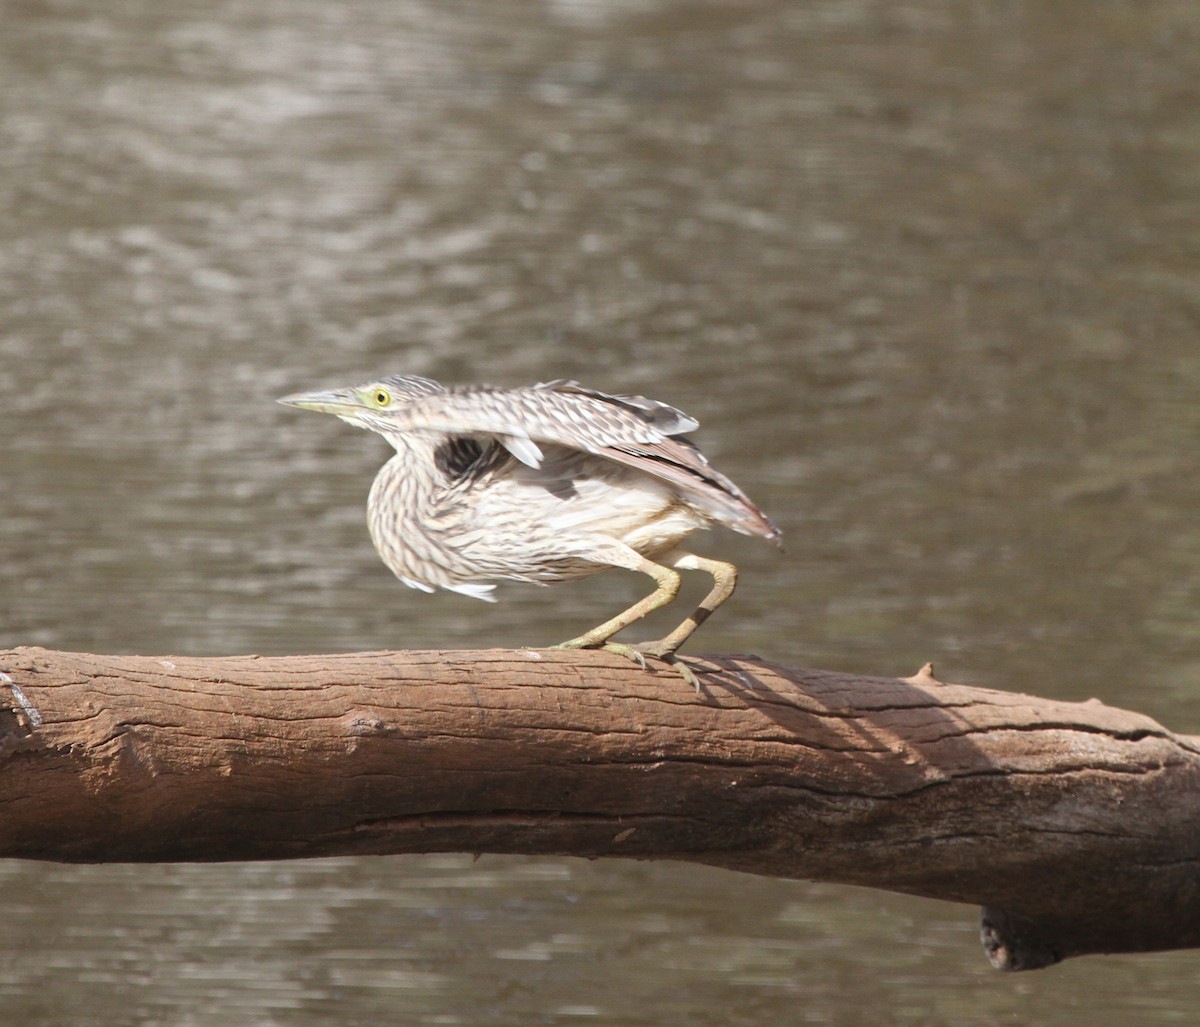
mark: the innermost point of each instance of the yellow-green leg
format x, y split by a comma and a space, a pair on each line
668, 589
724, 581
724, 577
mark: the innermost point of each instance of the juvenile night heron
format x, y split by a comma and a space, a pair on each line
546, 483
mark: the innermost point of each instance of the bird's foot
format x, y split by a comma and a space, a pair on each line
638, 654
658, 651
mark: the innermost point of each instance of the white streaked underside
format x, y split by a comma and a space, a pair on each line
555, 522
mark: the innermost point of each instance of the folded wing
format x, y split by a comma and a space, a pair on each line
631, 430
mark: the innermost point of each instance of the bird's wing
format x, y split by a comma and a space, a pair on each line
666, 419
680, 462
631, 430
562, 413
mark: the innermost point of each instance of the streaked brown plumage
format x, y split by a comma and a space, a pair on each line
546, 483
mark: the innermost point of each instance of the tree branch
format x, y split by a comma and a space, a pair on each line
1076, 825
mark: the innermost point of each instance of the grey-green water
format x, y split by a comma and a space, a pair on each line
927, 272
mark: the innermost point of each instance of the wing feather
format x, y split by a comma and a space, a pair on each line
561, 413
679, 462
631, 430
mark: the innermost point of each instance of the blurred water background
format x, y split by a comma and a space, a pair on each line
927, 272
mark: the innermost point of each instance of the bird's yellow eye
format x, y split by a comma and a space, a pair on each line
382, 398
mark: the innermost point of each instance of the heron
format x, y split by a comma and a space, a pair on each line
545, 483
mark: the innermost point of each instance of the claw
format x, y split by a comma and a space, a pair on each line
683, 670
630, 652
638, 654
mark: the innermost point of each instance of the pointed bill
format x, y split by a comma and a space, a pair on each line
341, 402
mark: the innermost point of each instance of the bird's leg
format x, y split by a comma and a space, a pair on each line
724, 582
668, 589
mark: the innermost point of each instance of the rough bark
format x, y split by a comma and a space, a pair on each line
1076, 825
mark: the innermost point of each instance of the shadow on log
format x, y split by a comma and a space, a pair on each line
1075, 825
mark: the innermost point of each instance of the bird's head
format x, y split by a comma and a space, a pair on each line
369, 405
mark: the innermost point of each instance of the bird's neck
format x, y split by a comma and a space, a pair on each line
403, 499
405, 487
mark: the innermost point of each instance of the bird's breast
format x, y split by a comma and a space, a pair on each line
519, 522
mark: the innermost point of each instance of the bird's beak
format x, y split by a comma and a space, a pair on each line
341, 402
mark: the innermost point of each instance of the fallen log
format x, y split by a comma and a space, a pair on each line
1075, 825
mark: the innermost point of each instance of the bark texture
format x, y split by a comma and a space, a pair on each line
1076, 825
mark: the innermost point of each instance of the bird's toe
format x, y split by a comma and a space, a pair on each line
657, 651
630, 652
638, 654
